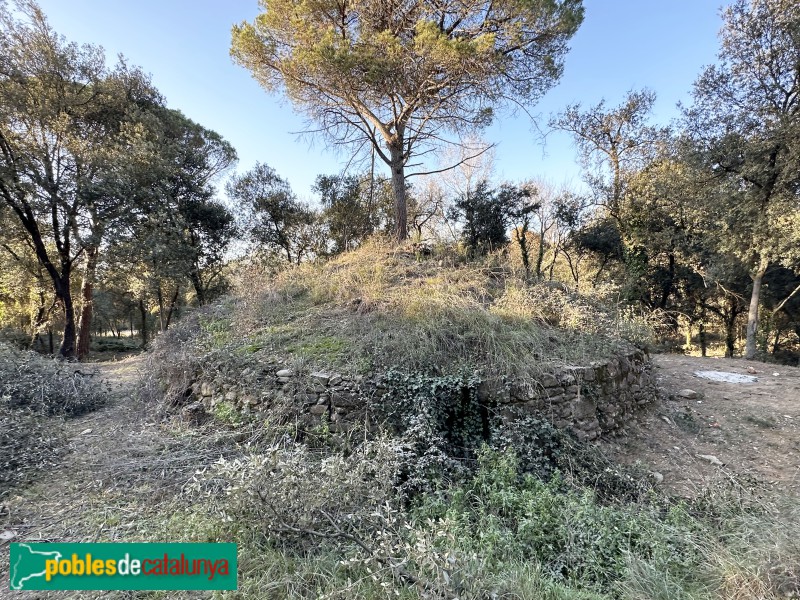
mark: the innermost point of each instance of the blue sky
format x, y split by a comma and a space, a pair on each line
622, 45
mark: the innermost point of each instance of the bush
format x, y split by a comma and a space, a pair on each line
46, 386
34, 390
505, 517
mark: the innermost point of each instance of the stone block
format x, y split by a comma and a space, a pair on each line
549, 381
320, 377
583, 409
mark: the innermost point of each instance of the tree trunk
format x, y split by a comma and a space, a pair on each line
38, 321
397, 167
172, 306
160, 296
67, 349
87, 298
703, 342
143, 330
752, 314
521, 235
667, 285
730, 326
199, 289
540, 255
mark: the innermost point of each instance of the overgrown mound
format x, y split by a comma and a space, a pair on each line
436, 508
35, 393
379, 309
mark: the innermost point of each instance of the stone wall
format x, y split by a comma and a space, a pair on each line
590, 400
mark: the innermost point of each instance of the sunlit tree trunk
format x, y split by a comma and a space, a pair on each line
752, 314
87, 301
397, 167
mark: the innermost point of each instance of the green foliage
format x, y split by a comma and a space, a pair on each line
217, 330
271, 214
226, 413
350, 74
505, 517
354, 208
440, 423
486, 215
326, 520
538, 445
323, 349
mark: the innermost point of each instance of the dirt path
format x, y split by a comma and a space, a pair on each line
753, 429
118, 466
121, 477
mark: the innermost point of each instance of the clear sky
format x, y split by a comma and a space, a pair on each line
184, 44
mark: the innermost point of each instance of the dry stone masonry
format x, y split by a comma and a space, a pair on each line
591, 400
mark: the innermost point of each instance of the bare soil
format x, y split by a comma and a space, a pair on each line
753, 429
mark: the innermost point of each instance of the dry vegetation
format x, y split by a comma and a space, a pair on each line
532, 514
379, 308
36, 394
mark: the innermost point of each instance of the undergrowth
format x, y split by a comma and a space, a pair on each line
314, 523
35, 394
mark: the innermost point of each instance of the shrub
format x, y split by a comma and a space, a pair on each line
47, 386
34, 390
505, 517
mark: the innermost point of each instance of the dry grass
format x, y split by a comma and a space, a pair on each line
380, 307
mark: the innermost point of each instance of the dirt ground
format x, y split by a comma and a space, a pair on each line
753, 429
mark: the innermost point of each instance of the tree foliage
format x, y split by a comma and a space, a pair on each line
273, 217
70, 140
398, 77
745, 124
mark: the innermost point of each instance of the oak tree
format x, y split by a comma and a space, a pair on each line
68, 135
745, 122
